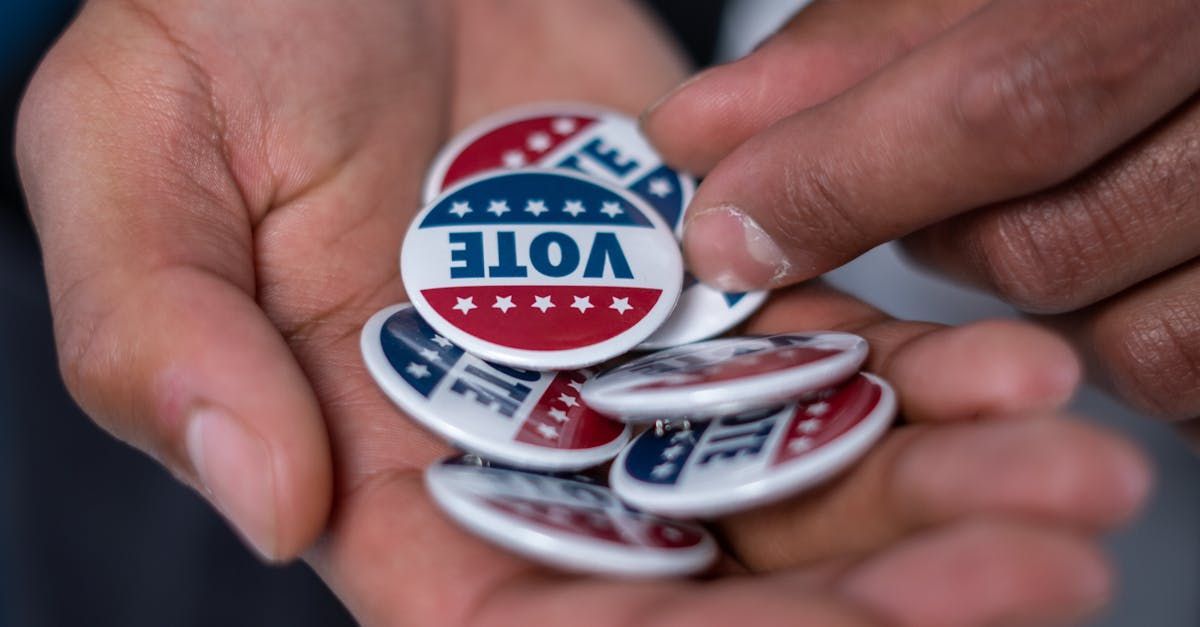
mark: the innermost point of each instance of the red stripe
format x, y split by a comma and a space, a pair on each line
561, 327
584, 427
487, 152
848, 406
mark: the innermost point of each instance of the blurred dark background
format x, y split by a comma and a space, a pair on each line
92, 532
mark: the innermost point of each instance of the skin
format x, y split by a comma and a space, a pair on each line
220, 191
1045, 151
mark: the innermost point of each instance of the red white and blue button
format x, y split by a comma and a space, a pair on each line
542, 269
706, 379
519, 417
741, 461
606, 145
568, 522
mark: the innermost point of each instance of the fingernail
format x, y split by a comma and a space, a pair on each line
234, 468
729, 250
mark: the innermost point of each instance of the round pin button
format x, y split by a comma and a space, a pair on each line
571, 523
741, 461
724, 376
605, 145
543, 269
519, 417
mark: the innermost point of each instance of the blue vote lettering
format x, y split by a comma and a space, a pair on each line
611, 158
740, 435
490, 390
605, 252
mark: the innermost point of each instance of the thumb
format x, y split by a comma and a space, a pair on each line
149, 262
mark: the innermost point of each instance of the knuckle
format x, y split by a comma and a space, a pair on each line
1032, 260
817, 214
1020, 113
1155, 361
1034, 100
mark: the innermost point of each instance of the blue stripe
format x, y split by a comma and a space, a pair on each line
402, 337
516, 189
646, 454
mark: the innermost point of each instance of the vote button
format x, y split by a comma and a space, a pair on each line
541, 269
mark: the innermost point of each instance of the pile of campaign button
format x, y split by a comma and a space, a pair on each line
548, 244
608, 146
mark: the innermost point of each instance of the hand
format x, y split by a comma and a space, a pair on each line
220, 194
1045, 150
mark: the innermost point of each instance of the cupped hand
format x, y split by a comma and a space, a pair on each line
220, 190
1046, 151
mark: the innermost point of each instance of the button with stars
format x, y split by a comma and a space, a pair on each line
745, 460
606, 145
519, 417
723, 376
568, 522
542, 269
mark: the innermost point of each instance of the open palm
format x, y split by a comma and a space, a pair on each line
221, 188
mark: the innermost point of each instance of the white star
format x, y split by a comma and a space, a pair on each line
460, 209
464, 305
816, 409
663, 470
513, 159
582, 304
498, 207
672, 534
573, 207
429, 354
660, 187
808, 426
799, 445
563, 126
611, 209
536, 207
547, 431
621, 305
671, 452
680, 436
419, 371
542, 302
567, 400
503, 303
558, 415
441, 341
538, 142
575, 384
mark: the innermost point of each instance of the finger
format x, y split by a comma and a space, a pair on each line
395, 560
825, 49
974, 117
1145, 343
1128, 219
597, 69
151, 274
1058, 471
939, 373
984, 573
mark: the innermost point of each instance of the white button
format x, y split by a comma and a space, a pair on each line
570, 523
749, 459
519, 417
724, 376
541, 269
